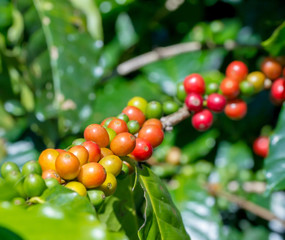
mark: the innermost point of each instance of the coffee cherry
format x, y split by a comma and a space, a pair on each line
153, 110
133, 126
236, 109
170, 107
153, 121
237, 71
229, 88
118, 125
277, 89
194, 83
271, 68
134, 113
111, 132
212, 88
261, 146
123, 117
194, 102
106, 121
138, 102
202, 120
216, 102
180, 92
257, 80
152, 134
143, 150
123, 144
96, 133
246, 88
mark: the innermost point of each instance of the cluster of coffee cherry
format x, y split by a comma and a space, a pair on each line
91, 165
227, 97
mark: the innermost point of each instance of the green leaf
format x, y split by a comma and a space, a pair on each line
275, 45
45, 221
125, 31
8, 235
162, 219
274, 163
118, 211
199, 212
6, 9
67, 199
238, 154
74, 61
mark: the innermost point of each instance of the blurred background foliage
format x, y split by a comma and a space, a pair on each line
58, 74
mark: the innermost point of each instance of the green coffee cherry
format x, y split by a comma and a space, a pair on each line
31, 167
247, 88
180, 92
34, 185
123, 117
78, 141
111, 132
8, 167
51, 182
96, 197
154, 110
124, 172
133, 126
212, 88
170, 107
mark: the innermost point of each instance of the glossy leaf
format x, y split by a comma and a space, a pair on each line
119, 210
67, 199
274, 163
52, 223
198, 210
162, 218
74, 59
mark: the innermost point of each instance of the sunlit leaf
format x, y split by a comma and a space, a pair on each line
162, 219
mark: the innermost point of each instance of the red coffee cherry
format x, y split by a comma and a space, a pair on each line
277, 90
216, 102
194, 83
134, 114
229, 88
271, 68
118, 125
202, 120
143, 150
261, 146
194, 102
153, 134
237, 71
236, 109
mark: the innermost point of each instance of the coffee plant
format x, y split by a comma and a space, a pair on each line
142, 119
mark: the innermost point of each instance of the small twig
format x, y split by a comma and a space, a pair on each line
245, 204
155, 55
173, 119
170, 51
